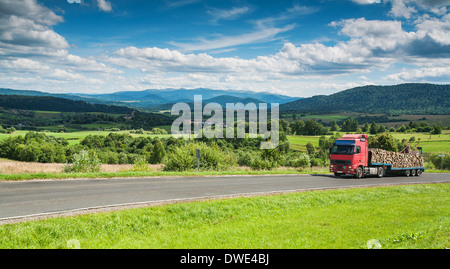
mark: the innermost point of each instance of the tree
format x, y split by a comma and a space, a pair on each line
310, 148
383, 141
424, 127
350, 125
334, 126
297, 127
314, 128
402, 129
284, 125
158, 152
365, 128
373, 128
437, 129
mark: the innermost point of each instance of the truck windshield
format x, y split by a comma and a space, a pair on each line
342, 149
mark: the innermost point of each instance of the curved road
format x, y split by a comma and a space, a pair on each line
36, 199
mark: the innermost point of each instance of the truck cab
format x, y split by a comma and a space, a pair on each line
349, 155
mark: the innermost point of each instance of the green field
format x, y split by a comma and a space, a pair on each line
411, 216
75, 137
393, 120
298, 142
323, 117
429, 143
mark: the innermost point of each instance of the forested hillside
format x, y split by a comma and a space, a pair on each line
400, 99
48, 103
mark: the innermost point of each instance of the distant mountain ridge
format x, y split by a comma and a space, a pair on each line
153, 99
161, 98
6, 91
409, 98
50, 103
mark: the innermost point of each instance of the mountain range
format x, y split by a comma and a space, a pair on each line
409, 98
160, 99
163, 99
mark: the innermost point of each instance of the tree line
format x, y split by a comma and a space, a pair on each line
410, 98
312, 127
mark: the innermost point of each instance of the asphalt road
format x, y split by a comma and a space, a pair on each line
42, 198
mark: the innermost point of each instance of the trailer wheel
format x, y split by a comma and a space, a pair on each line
359, 172
380, 172
413, 172
419, 172
407, 173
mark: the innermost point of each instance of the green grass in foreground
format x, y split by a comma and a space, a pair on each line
412, 216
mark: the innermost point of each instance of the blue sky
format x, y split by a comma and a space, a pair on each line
297, 48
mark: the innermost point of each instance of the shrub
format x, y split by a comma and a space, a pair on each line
440, 162
245, 158
260, 160
318, 162
429, 166
83, 162
158, 131
184, 157
259, 163
141, 165
301, 160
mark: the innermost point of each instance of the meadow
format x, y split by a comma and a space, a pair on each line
395, 217
76, 137
430, 143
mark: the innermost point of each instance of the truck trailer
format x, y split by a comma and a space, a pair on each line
351, 155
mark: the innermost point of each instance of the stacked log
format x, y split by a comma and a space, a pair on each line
397, 159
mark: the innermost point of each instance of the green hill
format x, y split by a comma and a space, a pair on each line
48, 103
413, 98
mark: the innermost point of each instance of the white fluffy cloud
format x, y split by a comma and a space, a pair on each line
437, 29
367, 2
32, 52
422, 74
408, 8
104, 5
25, 29
371, 45
23, 64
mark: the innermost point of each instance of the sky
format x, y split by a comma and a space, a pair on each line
296, 48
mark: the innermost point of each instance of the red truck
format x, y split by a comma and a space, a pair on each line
350, 155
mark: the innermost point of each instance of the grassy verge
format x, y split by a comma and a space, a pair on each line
25, 176
412, 216
124, 174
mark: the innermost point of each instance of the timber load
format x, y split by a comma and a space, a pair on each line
403, 159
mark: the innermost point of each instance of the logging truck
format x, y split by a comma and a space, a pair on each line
351, 155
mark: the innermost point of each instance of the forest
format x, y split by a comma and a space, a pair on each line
413, 98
